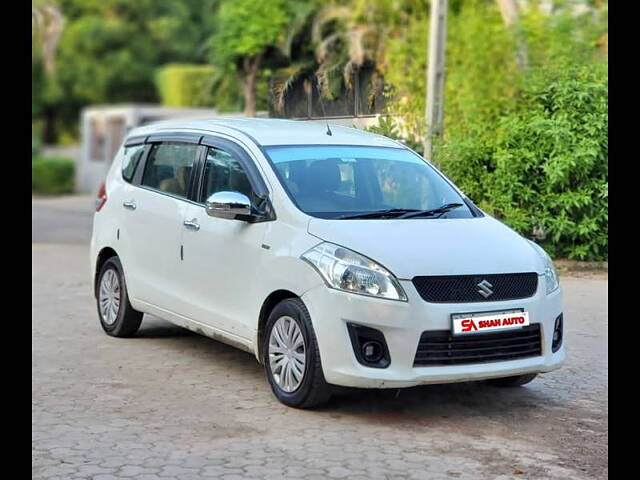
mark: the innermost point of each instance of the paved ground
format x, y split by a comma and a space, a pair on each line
171, 404
64, 219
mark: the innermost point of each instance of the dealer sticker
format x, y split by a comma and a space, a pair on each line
488, 322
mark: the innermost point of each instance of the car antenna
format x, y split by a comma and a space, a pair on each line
324, 113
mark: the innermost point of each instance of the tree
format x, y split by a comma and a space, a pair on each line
109, 51
328, 43
297, 50
346, 38
247, 32
111, 48
46, 24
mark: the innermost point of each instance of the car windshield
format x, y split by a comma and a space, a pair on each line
364, 182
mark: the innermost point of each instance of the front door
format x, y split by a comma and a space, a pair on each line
220, 256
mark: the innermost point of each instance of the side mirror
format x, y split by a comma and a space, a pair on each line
229, 205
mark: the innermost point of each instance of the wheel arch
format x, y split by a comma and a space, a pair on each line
105, 254
268, 305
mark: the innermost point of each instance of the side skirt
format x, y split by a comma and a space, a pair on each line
195, 326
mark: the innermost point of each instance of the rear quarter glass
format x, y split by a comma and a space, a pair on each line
131, 160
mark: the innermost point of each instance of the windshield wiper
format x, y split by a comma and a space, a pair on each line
389, 212
434, 211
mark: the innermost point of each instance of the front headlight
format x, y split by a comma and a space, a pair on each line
349, 271
550, 274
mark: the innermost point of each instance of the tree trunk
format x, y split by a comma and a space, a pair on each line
250, 67
509, 11
49, 134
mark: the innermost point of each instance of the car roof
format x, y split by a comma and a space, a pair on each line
273, 131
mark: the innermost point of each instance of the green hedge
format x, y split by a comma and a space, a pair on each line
52, 175
181, 85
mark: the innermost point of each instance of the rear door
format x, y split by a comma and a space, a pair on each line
154, 208
133, 157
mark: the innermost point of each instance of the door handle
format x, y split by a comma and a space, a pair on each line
131, 204
192, 224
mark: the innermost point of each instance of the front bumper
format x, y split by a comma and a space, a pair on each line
402, 323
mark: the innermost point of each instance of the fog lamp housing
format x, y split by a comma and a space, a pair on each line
556, 341
369, 346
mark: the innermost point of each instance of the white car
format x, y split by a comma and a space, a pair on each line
335, 256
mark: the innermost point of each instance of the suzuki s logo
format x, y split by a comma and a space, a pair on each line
485, 289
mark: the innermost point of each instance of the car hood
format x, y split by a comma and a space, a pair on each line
411, 247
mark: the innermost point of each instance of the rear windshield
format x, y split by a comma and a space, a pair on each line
337, 181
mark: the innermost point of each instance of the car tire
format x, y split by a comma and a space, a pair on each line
117, 316
312, 390
515, 381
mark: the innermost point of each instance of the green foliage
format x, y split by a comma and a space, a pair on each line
52, 175
109, 51
406, 63
529, 147
564, 37
227, 94
247, 39
186, 85
547, 169
389, 127
482, 79
247, 28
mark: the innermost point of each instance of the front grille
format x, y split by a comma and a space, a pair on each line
465, 288
440, 347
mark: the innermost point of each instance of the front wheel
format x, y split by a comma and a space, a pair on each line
515, 381
291, 357
117, 316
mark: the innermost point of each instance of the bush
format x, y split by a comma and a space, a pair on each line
186, 85
545, 173
390, 127
528, 145
52, 175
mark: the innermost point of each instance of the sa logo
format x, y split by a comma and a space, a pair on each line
468, 325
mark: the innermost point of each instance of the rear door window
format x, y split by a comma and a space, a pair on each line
168, 168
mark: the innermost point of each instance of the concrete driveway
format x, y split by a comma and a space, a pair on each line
172, 404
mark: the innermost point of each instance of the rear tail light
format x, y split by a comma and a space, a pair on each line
101, 199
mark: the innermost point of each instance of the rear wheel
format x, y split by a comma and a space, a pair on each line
515, 381
117, 316
291, 357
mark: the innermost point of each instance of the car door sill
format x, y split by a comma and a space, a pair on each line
197, 327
